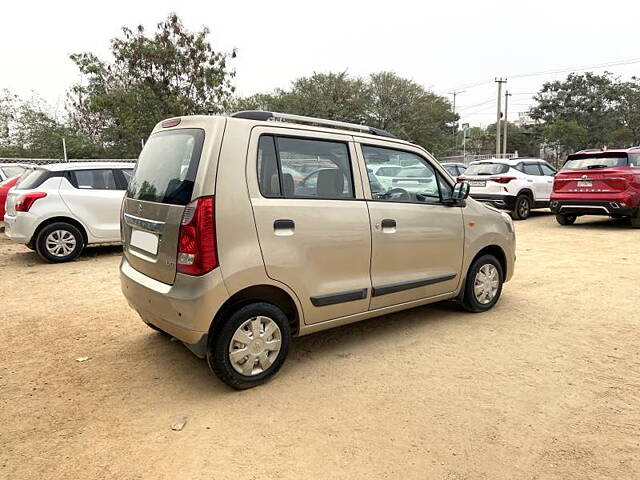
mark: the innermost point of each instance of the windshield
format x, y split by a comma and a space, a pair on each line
387, 171
487, 169
167, 167
414, 172
596, 161
12, 171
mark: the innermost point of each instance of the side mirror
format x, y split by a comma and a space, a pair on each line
461, 192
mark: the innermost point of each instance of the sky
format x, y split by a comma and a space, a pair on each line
444, 46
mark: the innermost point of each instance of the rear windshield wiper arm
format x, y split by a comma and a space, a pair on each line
597, 166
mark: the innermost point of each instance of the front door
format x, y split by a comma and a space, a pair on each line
312, 220
417, 240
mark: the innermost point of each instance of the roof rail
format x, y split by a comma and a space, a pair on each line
287, 117
585, 150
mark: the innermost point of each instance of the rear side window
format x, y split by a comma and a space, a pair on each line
166, 170
487, 169
531, 169
95, 179
304, 168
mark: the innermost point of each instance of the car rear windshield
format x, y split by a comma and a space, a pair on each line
584, 162
487, 169
32, 179
166, 170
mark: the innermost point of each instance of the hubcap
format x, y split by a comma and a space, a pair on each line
255, 345
487, 281
523, 208
60, 243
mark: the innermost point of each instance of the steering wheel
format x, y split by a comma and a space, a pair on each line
398, 194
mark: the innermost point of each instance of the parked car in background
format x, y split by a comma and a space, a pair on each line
10, 170
385, 173
455, 169
598, 182
58, 209
5, 186
235, 258
517, 185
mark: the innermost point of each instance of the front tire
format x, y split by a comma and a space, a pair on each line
566, 219
250, 346
635, 220
483, 285
59, 242
522, 210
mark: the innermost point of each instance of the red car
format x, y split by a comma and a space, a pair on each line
4, 189
598, 182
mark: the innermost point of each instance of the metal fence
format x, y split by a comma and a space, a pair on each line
47, 161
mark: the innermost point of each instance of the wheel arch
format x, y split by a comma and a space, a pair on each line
61, 219
497, 252
259, 293
528, 192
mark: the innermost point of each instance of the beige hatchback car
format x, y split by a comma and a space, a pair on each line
241, 232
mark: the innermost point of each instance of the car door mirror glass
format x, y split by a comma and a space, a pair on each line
461, 192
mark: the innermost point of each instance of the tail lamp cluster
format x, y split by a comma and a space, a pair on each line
24, 202
197, 249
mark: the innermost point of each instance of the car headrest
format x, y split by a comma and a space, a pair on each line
330, 183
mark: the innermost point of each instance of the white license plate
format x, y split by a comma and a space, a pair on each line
478, 183
144, 241
583, 183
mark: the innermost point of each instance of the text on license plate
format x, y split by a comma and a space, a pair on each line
583, 183
477, 183
144, 241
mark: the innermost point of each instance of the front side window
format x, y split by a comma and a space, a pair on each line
304, 168
95, 179
417, 182
547, 170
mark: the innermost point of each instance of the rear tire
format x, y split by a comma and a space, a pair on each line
483, 285
635, 220
566, 219
522, 209
59, 242
250, 346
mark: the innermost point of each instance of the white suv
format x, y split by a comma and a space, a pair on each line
516, 185
58, 209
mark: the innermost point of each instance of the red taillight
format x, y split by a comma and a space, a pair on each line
197, 253
24, 202
461, 179
502, 179
172, 122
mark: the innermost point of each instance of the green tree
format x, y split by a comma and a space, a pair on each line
383, 100
169, 73
591, 101
565, 136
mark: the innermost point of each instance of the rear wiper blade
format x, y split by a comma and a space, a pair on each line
597, 166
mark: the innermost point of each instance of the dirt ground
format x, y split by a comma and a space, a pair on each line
546, 385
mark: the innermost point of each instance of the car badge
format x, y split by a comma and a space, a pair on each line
139, 208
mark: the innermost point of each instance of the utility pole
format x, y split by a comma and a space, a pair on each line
455, 93
64, 149
506, 121
499, 81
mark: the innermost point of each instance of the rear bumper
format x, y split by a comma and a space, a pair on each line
20, 227
591, 207
503, 202
184, 310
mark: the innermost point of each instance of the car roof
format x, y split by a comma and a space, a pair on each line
459, 164
596, 151
56, 167
509, 161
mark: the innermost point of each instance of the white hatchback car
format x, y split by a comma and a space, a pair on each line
517, 185
58, 209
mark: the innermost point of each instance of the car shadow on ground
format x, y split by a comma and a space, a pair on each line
29, 258
180, 367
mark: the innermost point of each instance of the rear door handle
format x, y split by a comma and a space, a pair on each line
282, 224
388, 223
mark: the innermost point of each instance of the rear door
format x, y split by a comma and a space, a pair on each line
161, 186
417, 241
314, 235
94, 196
539, 184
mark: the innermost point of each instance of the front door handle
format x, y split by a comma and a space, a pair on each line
388, 223
282, 224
